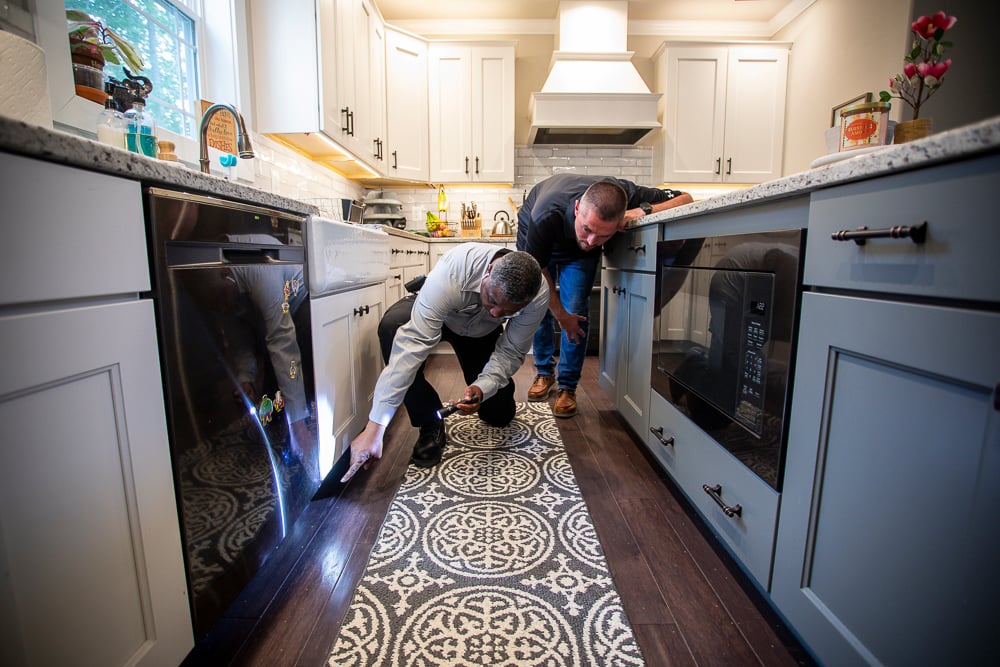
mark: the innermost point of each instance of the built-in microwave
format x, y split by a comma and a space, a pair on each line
725, 315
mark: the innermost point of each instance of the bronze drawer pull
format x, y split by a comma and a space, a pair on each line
716, 493
658, 432
916, 233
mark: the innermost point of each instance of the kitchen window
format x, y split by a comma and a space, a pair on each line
166, 34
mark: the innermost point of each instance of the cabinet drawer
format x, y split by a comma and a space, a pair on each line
634, 250
407, 252
958, 258
694, 460
69, 233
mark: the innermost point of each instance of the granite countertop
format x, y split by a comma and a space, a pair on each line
64, 148
978, 138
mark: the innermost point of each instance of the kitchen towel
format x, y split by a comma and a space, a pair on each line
489, 558
24, 88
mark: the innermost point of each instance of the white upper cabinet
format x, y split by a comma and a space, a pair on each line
406, 152
723, 113
471, 112
319, 67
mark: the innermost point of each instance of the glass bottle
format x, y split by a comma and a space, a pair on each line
140, 129
111, 125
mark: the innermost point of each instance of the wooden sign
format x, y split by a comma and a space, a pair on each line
221, 130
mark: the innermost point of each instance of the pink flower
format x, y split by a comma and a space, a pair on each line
927, 26
935, 70
909, 69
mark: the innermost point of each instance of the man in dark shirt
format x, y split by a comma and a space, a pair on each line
563, 223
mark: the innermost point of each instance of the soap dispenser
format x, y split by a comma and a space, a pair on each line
111, 125
140, 129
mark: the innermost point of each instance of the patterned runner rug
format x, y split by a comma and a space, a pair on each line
489, 558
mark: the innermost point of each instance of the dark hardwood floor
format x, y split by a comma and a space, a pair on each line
686, 599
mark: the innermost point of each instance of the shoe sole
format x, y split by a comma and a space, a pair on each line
424, 463
563, 415
537, 399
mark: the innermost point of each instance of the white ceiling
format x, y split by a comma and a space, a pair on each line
639, 10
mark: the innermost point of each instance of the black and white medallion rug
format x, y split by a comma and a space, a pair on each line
489, 558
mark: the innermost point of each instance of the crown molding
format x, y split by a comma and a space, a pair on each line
665, 29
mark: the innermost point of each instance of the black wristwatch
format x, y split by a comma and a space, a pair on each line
647, 208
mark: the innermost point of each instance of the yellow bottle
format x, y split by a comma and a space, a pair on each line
442, 204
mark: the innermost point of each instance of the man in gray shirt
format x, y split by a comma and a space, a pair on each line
484, 300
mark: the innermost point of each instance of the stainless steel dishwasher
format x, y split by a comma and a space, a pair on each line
232, 310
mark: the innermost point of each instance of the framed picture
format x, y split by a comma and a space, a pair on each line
835, 113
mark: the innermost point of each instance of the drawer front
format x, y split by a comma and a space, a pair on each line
69, 233
634, 250
694, 460
958, 257
407, 252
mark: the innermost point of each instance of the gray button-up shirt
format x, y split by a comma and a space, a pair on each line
451, 297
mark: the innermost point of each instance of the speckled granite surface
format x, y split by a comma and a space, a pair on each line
64, 148
978, 138
56, 146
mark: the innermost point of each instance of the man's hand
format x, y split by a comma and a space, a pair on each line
570, 324
471, 399
365, 449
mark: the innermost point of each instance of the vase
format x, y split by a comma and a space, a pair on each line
909, 130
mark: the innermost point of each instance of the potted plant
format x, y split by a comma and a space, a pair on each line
91, 46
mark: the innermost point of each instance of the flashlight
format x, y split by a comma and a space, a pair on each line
451, 408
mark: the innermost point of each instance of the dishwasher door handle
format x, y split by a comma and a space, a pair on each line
209, 254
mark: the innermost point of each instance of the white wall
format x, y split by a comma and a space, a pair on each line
842, 48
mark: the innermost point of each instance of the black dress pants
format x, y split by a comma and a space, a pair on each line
422, 401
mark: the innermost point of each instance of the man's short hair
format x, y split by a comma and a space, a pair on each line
518, 276
608, 198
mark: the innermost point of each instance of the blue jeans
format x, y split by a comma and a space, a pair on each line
575, 279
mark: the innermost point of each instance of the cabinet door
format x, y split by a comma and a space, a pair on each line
887, 536
694, 119
614, 329
493, 113
406, 71
638, 341
450, 84
755, 114
347, 361
336, 410
376, 121
91, 550
367, 352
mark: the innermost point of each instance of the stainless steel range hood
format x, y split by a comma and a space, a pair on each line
593, 94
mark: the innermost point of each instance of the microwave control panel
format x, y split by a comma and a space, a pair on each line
755, 333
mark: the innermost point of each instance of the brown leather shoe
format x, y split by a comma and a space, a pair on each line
565, 405
540, 388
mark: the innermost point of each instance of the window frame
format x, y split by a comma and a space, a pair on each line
224, 46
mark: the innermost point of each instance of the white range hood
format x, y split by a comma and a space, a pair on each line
593, 94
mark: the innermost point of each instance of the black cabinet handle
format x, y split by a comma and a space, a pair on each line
638, 248
466, 164
658, 432
477, 164
729, 166
718, 166
345, 124
395, 160
362, 310
716, 493
916, 233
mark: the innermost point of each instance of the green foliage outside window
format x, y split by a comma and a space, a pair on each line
165, 36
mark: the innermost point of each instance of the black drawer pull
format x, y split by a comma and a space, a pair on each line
638, 248
658, 432
716, 493
916, 233
362, 311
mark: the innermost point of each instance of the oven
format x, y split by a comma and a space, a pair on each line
725, 314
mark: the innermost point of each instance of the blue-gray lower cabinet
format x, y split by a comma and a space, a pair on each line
887, 535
